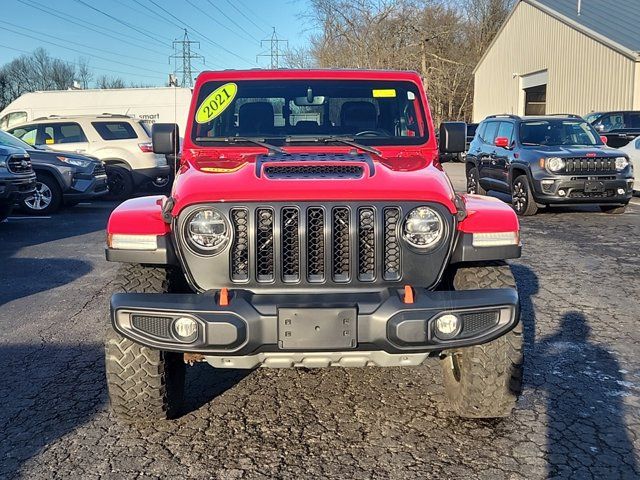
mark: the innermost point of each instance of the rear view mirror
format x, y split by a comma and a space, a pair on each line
502, 142
306, 102
453, 137
165, 138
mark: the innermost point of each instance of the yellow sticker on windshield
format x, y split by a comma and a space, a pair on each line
384, 93
216, 103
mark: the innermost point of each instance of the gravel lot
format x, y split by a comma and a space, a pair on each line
579, 416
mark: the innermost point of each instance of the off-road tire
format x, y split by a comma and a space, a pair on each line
473, 182
144, 384
484, 381
613, 209
522, 197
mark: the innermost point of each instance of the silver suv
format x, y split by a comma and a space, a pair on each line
122, 142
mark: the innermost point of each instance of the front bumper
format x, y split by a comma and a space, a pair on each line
15, 189
580, 190
252, 324
85, 187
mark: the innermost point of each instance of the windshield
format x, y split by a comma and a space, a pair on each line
372, 112
8, 140
558, 132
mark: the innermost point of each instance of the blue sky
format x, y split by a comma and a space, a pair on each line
132, 39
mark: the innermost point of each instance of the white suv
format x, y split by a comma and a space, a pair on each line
122, 142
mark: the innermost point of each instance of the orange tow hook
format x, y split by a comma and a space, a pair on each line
224, 298
408, 294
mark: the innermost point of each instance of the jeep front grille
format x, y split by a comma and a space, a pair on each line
596, 165
19, 164
315, 244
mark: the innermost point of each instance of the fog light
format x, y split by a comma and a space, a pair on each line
185, 328
447, 326
562, 193
621, 191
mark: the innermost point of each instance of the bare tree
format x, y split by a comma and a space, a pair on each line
104, 81
84, 74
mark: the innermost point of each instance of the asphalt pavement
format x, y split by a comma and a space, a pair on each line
579, 415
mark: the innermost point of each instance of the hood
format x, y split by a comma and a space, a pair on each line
52, 155
6, 150
574, 151
315, 176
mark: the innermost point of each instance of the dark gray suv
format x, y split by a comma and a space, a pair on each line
547, 160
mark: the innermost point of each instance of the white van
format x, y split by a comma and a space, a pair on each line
151, 105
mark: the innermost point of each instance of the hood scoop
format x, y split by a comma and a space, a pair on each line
314, 166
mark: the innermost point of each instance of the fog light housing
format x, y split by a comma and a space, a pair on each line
185, 329
447, 326
562, 193
621, 191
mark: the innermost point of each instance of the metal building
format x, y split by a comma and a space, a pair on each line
562, 56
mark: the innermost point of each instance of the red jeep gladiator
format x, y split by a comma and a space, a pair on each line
311, 225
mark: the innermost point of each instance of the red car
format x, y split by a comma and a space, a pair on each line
312, 225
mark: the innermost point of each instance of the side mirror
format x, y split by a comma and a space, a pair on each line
453, 137
502, 142
165, 138
604, 139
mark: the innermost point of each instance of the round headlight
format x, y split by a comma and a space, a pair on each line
554, 164
423, 228
207, 230
621, 163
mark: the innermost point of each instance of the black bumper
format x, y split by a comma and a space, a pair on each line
253, 323
15, 189
145, 175
86, 187
594, 190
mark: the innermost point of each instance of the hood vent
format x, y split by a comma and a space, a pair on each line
315, 166
313, 171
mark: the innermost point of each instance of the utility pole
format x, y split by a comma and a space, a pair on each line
183, 54
274, 49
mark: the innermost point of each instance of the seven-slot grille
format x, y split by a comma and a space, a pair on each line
590, 165
315, 244
19, 164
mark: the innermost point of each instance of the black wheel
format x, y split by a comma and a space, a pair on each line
485, 381
5, 211
473, 182
46, 199
144, 384
120, 182
613, 209
521, 197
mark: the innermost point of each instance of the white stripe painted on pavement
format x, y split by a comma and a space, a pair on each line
36, 217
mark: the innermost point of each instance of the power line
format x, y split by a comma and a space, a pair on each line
80, 44
76, 63
232, 20
246, 16
83, 23
150, 35
199, 33
152, 10
89, 54
274, 49
186, 56
219, 22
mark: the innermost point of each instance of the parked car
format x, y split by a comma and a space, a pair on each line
632, 149
334, 240
619, 127
121, 142
547, 160
62, 177
17, 178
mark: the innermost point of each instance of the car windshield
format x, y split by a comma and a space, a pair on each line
8, 140
279, 112
558, 132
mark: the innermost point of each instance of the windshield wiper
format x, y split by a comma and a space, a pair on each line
261, 142
346, 140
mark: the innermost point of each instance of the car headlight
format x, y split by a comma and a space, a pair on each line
423, 228
555, 164
207, 231
621, 163
78, 162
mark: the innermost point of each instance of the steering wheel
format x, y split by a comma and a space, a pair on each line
372, 133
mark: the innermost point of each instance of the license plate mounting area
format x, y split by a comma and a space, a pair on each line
317, 328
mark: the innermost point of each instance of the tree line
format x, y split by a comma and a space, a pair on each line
40, 71
443, 40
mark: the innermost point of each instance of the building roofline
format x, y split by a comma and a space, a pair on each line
633, 55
